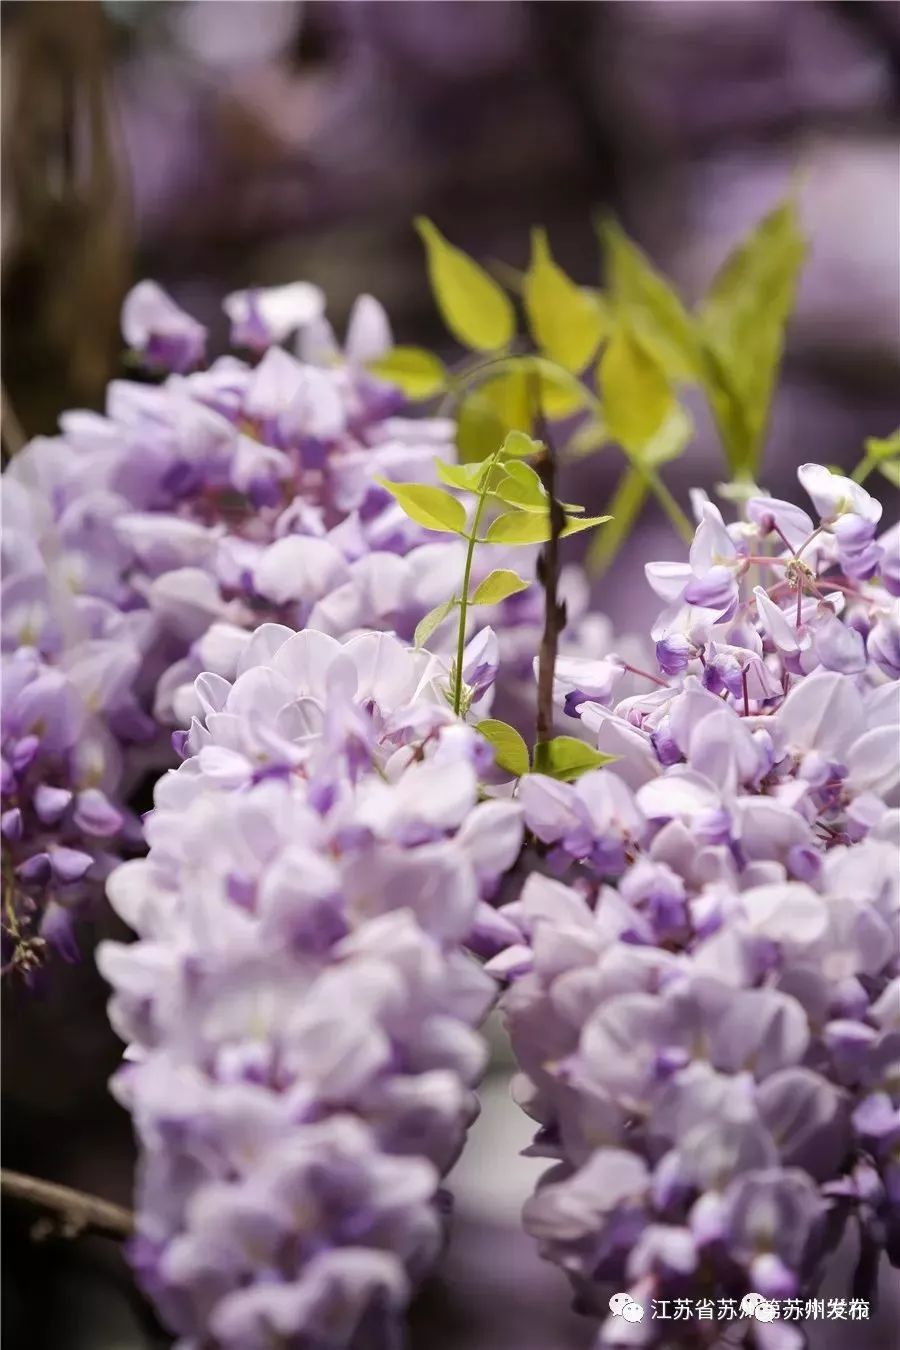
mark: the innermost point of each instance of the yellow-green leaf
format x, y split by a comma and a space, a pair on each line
519, 527
520, 486
419, 374
649, 304
567, 758
497, 406
497, 586
466, 477
575, 525
670, 440
742, 322
567, 322
588, 439
473, 306
727, 406
890, 468
429, 506
888, 447
559, 392
433, 620
478, 428
518, 445
525, 527
637, 397
510, 751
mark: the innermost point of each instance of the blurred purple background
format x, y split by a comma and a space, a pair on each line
214, 145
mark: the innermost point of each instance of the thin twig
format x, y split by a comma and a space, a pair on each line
548, 575
76, 1211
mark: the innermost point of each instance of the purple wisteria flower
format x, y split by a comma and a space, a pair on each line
703, 965
144, 546
299, 1008
69, 713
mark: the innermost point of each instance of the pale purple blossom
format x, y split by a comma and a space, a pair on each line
159, 331
264, 316
144, 546
701, 968
299, 1008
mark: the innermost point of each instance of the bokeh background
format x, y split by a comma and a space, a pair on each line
214, 144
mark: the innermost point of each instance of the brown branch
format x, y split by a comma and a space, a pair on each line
74, 1211
548, 575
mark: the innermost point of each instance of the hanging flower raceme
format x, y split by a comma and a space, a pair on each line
144, 546
299, 1009
702, 973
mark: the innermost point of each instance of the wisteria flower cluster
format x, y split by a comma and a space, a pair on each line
703, 988
700, 959
262, 567
144, 546
299, 1009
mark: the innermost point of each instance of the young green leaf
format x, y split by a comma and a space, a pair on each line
560, 392
888, 447
519, 445
419, 374
519, 527
520, 486
589, 439
727, 405
497, 586
465, 477
637, 397
646, 301
742, 322
567, 322
525, 476
525, 527
890, 468
575, 524
473, 306
510, 751
433, 620
429, 506
490, 411
670, 440
567, 758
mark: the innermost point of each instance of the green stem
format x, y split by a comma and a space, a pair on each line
471, 539
668, 503
865, 466
677, 517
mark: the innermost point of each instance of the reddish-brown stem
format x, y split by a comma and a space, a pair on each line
787, 543
848, 590
645, 674
762, 561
